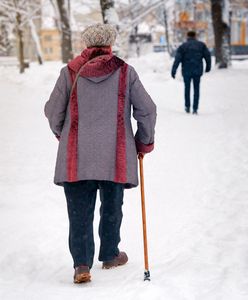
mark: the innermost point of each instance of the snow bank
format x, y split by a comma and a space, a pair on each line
153, 66
196, 195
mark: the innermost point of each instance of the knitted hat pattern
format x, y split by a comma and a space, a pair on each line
99, 35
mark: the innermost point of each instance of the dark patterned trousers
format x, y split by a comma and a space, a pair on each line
81, 199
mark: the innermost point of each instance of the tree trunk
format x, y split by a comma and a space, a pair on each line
137, 41
221, 34
167, 33
36, 41
66, 46
5, 44
105, 6
20, 43
57, 15
110, 16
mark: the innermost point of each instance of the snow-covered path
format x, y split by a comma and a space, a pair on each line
196, 196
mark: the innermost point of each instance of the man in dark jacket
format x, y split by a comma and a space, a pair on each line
190, 54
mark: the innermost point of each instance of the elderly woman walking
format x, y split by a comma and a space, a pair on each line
89, 111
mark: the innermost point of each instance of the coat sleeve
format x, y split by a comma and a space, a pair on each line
144, 112
177, 61
56, 106
207, 57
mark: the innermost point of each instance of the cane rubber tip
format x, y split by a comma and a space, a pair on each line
147, 276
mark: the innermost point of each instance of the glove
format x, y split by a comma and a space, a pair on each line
141, 155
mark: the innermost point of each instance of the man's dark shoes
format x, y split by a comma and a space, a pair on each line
195, 112
119, 260
82, 274
187, 109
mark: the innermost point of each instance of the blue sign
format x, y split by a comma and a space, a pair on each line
162, 40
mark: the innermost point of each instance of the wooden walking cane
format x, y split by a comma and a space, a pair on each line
142, 190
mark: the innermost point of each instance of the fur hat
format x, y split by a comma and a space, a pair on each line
99, 35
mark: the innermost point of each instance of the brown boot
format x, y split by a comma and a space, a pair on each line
82, 274
119, 260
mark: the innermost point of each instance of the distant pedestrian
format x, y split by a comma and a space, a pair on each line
190, 54
89, 111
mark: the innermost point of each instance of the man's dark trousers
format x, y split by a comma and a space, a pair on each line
81, 199
196, 84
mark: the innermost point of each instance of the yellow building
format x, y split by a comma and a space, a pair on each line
193, 15
239, 22
51, 44
196, 15
50, 36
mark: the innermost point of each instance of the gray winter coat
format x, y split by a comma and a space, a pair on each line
97, 146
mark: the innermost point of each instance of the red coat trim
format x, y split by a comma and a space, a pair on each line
121, 166
73, 134
143, 148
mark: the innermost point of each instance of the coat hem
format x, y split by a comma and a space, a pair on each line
127, 185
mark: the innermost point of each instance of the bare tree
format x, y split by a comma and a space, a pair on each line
19, 33
167, 32
221, 33
57, 15
107, 7
30, 16
63, 8
21, 13
13, 16
138, 11
5, 29
110, 16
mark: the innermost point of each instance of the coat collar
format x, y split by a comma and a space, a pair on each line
95, 62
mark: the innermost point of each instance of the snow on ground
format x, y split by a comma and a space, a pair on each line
196, 195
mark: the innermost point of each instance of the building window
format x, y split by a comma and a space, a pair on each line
48, 50
200, 16
48, 38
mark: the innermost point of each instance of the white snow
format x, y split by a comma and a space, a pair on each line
196, 195
111, 16
48, 15
144, 28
